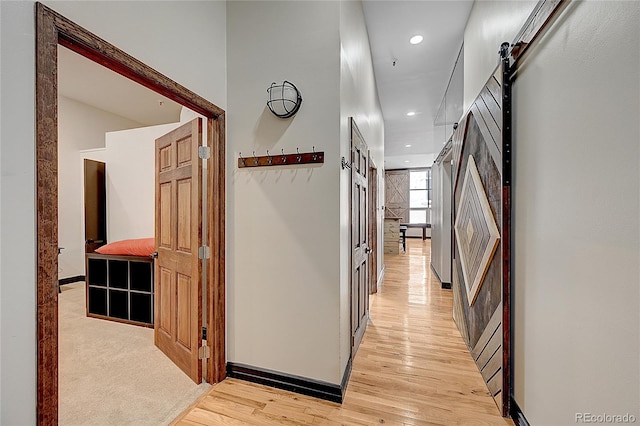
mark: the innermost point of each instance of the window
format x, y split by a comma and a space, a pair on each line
420, 196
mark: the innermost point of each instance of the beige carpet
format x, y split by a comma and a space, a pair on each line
112, 374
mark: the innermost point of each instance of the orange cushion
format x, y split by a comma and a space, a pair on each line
137, 247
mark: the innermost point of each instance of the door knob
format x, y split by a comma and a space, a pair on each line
367, 250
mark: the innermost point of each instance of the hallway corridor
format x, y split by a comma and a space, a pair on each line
412, 367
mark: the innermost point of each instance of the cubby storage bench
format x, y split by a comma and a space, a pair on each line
120, 288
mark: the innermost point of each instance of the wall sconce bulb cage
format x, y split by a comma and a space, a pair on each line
284, 99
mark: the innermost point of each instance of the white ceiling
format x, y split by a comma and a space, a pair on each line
421, 73
90, 83
417, 82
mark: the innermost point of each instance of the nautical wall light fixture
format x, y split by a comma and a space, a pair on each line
284, 99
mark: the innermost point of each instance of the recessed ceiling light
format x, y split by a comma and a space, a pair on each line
407, 146
411, 113
406, 161
416, 39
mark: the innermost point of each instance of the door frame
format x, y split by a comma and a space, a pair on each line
100, 212
373, 226
53, 29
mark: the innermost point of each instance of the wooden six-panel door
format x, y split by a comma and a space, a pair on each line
359, 238
178, 234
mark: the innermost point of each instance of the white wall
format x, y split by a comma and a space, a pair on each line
184, 40
0, 215
577, 227
283, 260
489, 25
130, 157
80, 127
154, 32
358, 99
17, 206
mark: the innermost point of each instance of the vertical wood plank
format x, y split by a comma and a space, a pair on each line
217, 214
47, 217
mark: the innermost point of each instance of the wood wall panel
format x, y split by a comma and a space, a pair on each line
495, 383
489, 295
492, 326
488, 353
478, 266
493, 105
458, 309
489, 349
482, 128
476, 231
485, 103
495, 362
457, 144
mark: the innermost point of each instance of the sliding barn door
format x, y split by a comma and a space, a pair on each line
480, 234
396, 193
178, 233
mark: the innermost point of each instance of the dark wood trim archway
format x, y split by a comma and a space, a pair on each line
53, 29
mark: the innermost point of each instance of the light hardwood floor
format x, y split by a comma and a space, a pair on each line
412, 367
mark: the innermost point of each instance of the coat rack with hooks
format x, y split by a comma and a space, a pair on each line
281, 159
